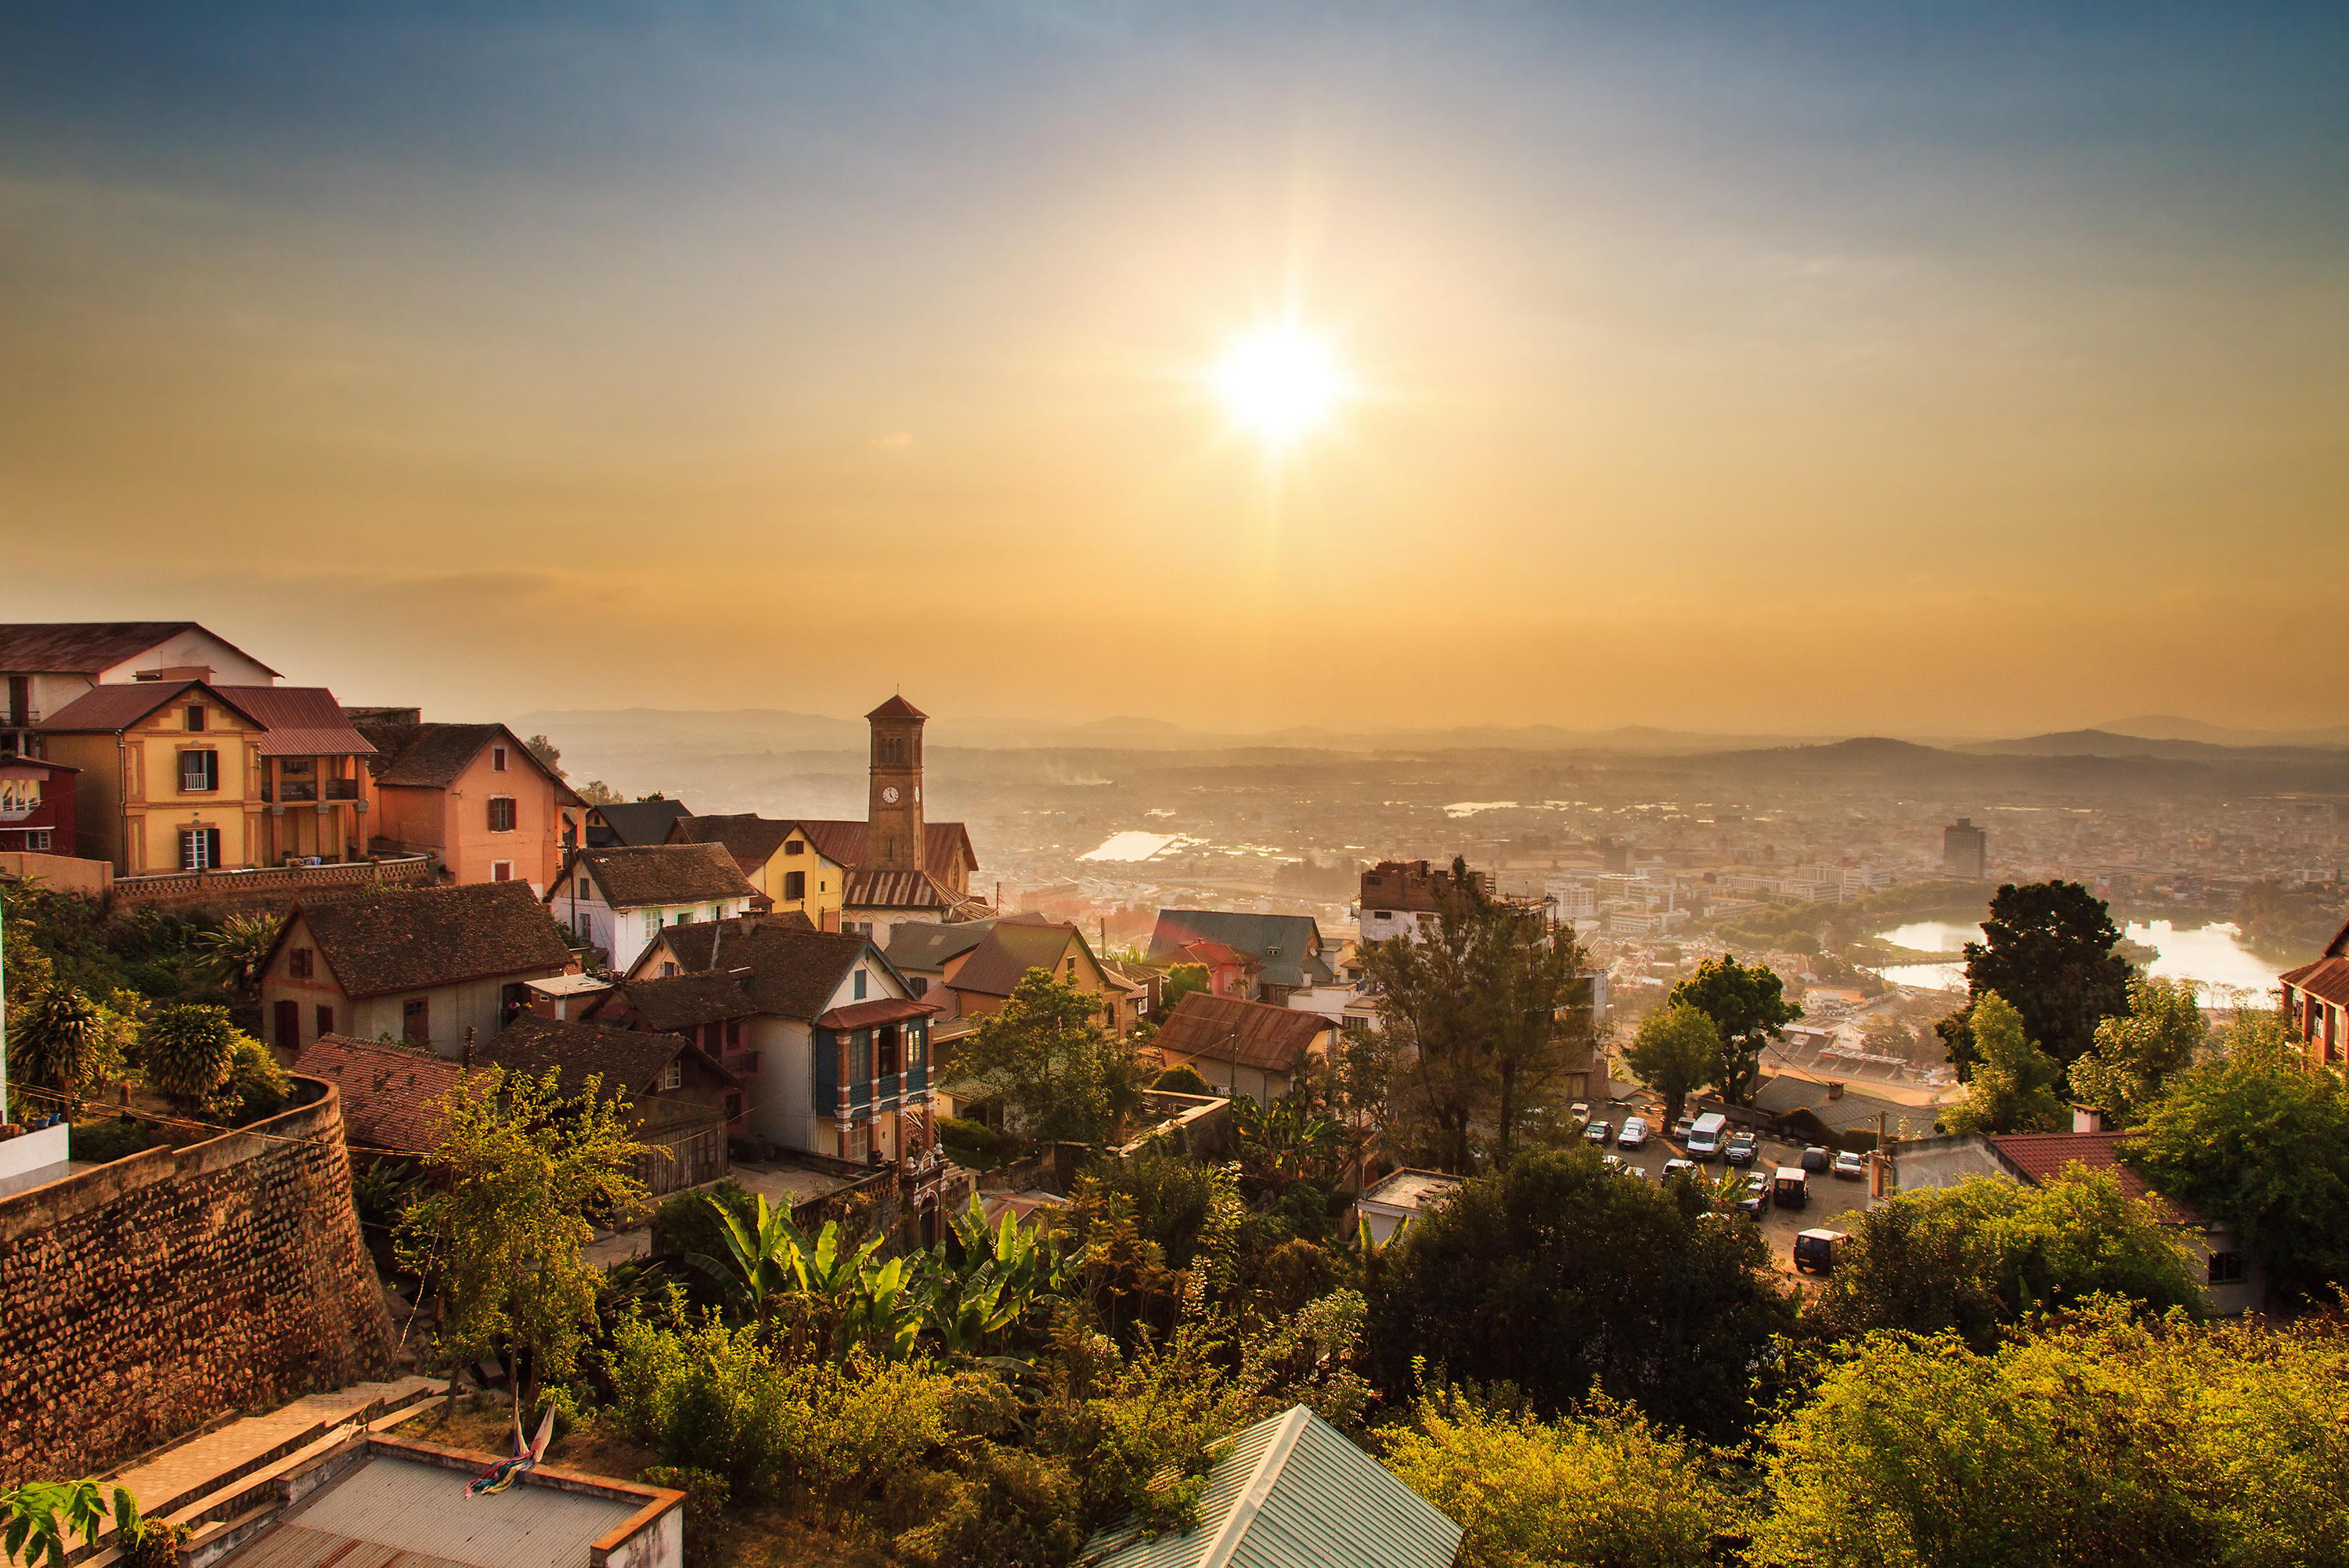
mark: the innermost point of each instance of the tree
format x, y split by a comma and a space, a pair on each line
549, 755
1064, 1078
1601, 1485
187, 1053
2047, 948
64, 1042
1566, 1280
1983, 1256
238, 948
2256, 1139
1181, 979
2135, 1054
1747, 1003
1677, 1052
2011, 1090
518, 1171
596, 792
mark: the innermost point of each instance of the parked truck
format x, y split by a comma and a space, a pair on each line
1792, 1189
1815, 1250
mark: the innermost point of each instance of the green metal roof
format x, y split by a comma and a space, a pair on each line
1293, 1492
1280, 941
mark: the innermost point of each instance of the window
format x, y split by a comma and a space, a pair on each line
36, 839
733, 1034
289, 1026
1073, 969
795, 847
325, 1020
683, 917
199, 848
195, 717
717, 911
2226, 1268
668, 970
794, 886
416, 1020
586, 889
652, 924
501, 813
859, 1139
860, 985
673, 1075
1382, 914
887, 1043
199, 772
497, 759
297, 963
920, 985
502, 870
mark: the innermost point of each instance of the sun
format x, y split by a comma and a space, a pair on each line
1280, 381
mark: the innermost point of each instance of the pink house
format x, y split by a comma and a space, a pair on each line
472, 795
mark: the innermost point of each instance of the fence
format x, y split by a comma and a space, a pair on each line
202, 887
680, 1157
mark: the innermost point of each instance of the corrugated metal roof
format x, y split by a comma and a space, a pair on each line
1294, 1492
416, 1511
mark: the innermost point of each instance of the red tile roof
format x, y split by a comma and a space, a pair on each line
2039, 1157
86, 647
905, 890
1014, 947
2327, 978
898, 707
629, 1059
943, 844
423, 937
642, 875
1226, 1030
302, 721
871, 1015
386, 1091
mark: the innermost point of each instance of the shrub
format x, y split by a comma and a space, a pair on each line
1181, 1078
705, 1511
971, 1143
256, 1086
188, 1052
64, 1042
103, 1142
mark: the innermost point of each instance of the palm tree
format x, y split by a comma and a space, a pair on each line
238, 949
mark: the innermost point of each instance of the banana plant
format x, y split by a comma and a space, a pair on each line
882, 1311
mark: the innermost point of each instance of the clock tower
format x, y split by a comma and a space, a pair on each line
893, 834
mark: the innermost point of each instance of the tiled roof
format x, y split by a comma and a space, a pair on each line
432, 756
1292, 1491
1214, 954
871, 1015
647, 874
640, 821
411, 941
1011, 950
1281, 941
2339, 946
384, 1090
902, 890
2327, 977
631, 1059
2038, 1156
110, 709
928, 947
1783, 1094
687, 1001
943, 844
896, 707
1226, 1030
86, 648
751, 838
301, 721
794, 969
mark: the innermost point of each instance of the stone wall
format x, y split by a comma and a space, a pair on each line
141, 1298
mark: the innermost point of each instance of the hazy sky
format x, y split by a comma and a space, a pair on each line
1860, 366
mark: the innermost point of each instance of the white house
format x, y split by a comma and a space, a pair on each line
621, 899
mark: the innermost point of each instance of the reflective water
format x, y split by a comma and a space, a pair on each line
2212, 956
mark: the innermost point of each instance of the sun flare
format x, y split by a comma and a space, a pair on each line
1279, 381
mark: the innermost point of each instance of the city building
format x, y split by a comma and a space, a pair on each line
780, 860
1288, 948
428, 967
1388, 1209
1396, 895
1965, 851
37, 805
46, 666
182, 775
633, 824
620, 900
471, 796
2315, 998
1242, 1047
983, 982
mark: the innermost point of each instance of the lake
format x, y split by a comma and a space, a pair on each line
2211, 955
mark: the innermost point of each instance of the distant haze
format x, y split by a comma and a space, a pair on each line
1791, 371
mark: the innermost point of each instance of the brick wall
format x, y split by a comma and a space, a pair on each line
141, 1298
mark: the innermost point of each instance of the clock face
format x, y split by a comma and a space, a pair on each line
890, 795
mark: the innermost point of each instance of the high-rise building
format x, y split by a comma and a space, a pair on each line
1965, 849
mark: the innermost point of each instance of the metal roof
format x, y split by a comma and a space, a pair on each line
392, 1510
1293, 1492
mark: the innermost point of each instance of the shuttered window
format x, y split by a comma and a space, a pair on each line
199, 848
199, 772
501, 813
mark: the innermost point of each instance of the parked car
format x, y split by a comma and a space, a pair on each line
1613, 1164
1680, 1167
1756, 1196
1681, 1129
1850, 1165
1597, 1132
1815, 1250
1705, 1133
1791, 1187
1817, 1159
1740, 1150
1578, 1113
1634, 1134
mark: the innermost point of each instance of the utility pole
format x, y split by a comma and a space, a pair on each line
1876, 1162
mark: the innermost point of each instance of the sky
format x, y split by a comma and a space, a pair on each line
1802, 368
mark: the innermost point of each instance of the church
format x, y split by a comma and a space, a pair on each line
895, 868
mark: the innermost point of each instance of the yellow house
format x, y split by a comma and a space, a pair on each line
182, 775
781, 860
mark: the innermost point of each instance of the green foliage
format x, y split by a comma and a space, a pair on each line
256, 1085
968, 1143
188, 1053
1181, 1078
1747, 1003
1638, 1293
1979, 1257
238, 947
2255, 1139
1181, 979
519, 1169
380, 1190
1677, 1051
103, 1142
1288, 1142
2135, 1054
820, 1292
2012, 1089
705, 1510
1599, 1486
1063, 1077
549, 755
2096, 1440
2047, 949
38, 1520
686, 1225
63, 1042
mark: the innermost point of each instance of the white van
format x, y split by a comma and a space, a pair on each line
1704, 1137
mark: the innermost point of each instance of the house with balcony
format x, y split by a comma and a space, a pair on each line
37, 805
183, 774
470, 796
45, 666
832, 1047
2316, 1005
620, 899
429, 966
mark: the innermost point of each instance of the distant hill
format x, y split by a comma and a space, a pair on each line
2169, 726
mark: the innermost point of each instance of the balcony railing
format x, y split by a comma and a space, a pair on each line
174, 885
289, 790
342, 790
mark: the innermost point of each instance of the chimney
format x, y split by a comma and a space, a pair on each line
469, 1047
2087, 1119
1834, 1091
